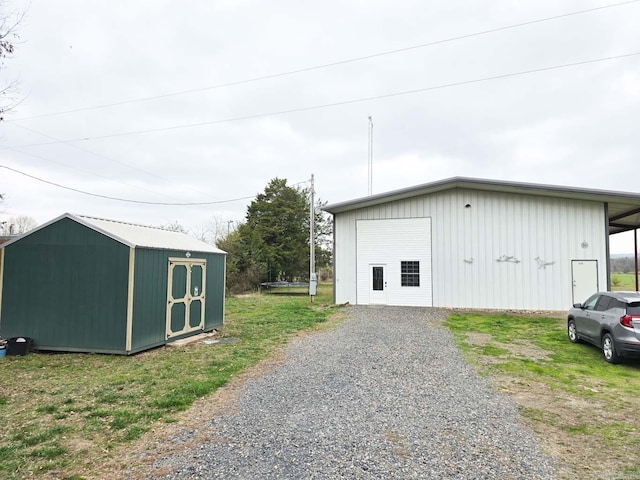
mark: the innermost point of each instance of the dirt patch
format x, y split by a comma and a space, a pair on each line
519, 348
565, 426
512, 312
569, 427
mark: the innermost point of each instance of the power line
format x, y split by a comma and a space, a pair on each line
127, 200
99, 155
330, 105
121, 199
327, 65
81, 170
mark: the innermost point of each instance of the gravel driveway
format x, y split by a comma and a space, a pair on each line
385, 394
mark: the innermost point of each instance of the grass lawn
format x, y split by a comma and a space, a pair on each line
64, 414
623, 281
584, 409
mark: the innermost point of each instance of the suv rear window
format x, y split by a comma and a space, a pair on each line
633, 308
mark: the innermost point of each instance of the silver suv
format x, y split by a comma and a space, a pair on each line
608, 320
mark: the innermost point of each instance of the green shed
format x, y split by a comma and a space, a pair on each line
83, 284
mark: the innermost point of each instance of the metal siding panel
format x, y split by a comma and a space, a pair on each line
496, 224
66, 287
150, 294
517, 223
345, 258
149, 298
214, 309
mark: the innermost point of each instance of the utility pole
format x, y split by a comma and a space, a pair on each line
313, 279
370, 159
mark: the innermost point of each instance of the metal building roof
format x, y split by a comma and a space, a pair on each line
624, 207
135, 235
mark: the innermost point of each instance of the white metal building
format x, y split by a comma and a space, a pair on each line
472, 243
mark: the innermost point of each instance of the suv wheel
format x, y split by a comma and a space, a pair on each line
609, 349
572, 332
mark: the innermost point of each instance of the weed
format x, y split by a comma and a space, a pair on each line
47, 409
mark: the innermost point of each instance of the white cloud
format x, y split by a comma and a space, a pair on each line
572, 126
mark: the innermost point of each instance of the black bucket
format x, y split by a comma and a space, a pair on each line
18, 346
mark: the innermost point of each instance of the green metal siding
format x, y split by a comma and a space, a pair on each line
65, 286
214, 313
149, 299
150, 295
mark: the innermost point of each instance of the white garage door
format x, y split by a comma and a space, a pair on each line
394, 262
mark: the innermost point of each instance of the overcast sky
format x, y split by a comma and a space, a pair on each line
574, 126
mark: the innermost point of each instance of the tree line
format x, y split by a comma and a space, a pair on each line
272, 243
623, 265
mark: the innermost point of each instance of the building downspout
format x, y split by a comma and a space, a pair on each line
635, 255
607, 253
334, 258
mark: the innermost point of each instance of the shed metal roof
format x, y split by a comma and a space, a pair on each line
624, 207
135, 235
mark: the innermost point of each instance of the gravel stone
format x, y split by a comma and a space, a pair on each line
384, 395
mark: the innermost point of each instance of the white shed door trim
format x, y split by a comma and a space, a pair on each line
186, 290
387, 243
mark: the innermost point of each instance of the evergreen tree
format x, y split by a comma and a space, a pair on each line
273, 243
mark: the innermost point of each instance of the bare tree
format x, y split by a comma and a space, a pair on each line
174, 227
21, 224
214, 230
9, 22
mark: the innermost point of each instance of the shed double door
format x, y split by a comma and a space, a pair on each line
186, 288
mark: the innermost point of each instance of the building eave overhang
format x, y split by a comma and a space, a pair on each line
624, 207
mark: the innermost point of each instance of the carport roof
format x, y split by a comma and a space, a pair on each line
624, 207
134, 235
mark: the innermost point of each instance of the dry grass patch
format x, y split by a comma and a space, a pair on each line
582, 408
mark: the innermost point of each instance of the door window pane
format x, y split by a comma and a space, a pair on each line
378, 278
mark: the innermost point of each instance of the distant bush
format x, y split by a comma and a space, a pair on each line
623, 265
326, 274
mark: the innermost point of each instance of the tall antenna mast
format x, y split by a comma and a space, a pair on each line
313, 277
312, 241
370, 159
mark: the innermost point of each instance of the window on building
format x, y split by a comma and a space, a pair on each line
410, 274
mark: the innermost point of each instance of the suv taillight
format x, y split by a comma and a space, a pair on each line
626, 320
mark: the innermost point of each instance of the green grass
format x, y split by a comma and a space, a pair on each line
65, 413
623, 281
593, 404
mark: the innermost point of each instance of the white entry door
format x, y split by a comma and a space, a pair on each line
584, 274
377, 285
